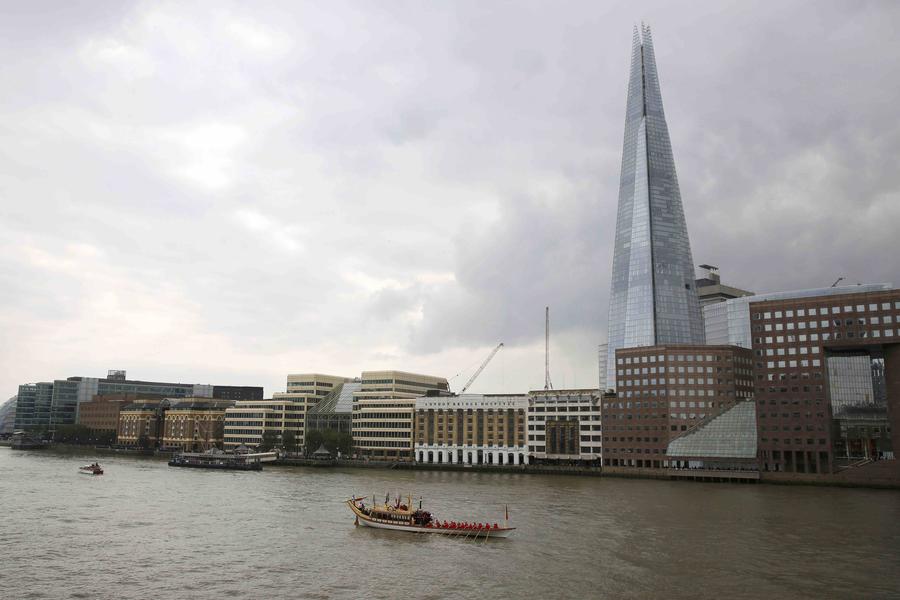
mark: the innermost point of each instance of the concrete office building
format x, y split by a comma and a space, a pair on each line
248, 420
564, 426
663, 392
653, 299
383, 412
474, 429
711, 290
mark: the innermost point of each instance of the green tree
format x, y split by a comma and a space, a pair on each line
313, 440
72, 434
270, 440
289, 440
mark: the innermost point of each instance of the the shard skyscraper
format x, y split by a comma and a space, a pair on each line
652, 296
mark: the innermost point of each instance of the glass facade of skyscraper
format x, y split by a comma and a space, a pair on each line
652, 295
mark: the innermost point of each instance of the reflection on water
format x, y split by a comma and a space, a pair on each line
144, 530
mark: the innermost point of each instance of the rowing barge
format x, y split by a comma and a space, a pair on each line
402, 517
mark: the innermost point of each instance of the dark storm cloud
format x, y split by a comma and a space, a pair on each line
253, 190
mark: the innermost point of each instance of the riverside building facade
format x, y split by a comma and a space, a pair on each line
472, 429
663, 392
653, 299
248, 420
57, 403
827, 380
195, 425
383, 412
564, 426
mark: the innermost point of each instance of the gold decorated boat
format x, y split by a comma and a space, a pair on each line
401, 516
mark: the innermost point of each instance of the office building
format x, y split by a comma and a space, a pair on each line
663, 392
711, 290
334, 412
652, 300
383, 412
57, 403
827, 373
473, 429
564, 427
728, 323
248, 420
101, 413
8, 417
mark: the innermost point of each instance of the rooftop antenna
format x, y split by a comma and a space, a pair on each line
839, 279
547, 384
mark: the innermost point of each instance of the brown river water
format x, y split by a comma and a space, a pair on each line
145, 530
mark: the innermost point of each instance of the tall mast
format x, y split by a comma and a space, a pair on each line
547, 384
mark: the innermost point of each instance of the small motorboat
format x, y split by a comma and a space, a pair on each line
92, 469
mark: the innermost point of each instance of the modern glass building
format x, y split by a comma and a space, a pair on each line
653, 299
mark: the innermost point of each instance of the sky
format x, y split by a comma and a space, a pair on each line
226, 193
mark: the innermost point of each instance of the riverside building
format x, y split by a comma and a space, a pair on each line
248, 420
663, 392
57, 403
564, 426
472, 429
653, 299
195, 425
141, 423
827, 381
383, 411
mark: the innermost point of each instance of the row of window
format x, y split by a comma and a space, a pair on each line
801, 312
628, 360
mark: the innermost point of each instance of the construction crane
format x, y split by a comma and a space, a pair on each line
547, 384
481, 368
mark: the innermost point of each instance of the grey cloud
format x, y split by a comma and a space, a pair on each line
275, 204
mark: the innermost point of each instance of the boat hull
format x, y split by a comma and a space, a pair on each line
366, 521
221, 467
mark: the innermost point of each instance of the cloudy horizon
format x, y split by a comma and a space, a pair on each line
230, 193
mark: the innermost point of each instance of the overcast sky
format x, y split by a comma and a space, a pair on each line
227, 193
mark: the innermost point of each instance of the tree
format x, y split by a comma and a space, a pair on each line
289, 440
337, 441
270, 440
313, 440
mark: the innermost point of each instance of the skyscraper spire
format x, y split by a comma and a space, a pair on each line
652, 297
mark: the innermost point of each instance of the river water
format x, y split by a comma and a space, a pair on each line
147, 530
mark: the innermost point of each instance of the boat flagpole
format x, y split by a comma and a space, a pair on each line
506, 516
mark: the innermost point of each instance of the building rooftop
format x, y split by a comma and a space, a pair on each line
732, 434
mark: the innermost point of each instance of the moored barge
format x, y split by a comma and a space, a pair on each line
221, 461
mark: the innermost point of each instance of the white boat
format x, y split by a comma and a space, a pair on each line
92, 469
401, 517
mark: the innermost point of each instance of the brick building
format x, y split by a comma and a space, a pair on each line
827, 380
663, 392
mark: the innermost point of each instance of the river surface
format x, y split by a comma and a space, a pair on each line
145, 530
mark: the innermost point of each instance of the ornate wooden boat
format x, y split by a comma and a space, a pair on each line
402, 517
